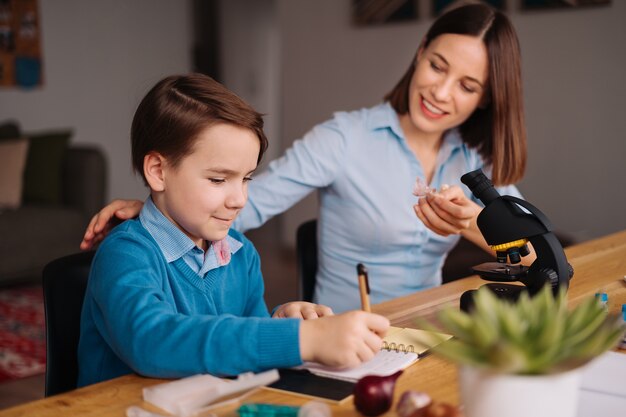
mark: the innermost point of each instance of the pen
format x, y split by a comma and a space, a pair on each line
364, 287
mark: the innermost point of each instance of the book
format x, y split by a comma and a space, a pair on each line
303, 383
401, 348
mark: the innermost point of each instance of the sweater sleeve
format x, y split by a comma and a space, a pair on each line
137, 316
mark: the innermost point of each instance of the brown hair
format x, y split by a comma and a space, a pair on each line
498, 130
173, 113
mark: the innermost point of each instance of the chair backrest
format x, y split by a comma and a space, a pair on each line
64, 285
306, 250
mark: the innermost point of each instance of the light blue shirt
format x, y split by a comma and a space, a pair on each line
364, 171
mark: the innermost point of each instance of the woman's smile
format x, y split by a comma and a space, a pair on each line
430, 110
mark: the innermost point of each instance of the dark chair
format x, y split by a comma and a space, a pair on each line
64, 285
461, 258
306, 250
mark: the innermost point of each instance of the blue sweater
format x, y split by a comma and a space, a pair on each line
142, 314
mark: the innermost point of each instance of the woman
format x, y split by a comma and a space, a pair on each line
458, 107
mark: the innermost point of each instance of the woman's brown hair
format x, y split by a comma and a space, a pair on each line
175, 111
496, 130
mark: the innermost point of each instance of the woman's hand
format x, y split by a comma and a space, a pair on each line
107, 218
448, 211
302, 310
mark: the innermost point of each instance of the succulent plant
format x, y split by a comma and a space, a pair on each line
535, 335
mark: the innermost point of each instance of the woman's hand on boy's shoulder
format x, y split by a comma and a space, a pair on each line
107, 218
302, 310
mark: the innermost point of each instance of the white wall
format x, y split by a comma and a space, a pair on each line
251, 61
575, 92
100, 58
575, 89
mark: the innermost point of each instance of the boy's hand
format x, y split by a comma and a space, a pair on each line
302, 310
107, 218
345, 340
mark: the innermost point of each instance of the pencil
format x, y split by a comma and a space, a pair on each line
364, 287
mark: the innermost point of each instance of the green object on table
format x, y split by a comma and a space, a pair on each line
267, 410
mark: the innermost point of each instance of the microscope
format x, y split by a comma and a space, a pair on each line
508, 223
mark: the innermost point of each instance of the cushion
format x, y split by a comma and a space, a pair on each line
44, 167
12, 162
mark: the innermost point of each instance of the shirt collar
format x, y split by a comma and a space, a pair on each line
451, 141
172, 241
384, 116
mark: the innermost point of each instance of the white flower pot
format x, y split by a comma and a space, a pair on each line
488, 394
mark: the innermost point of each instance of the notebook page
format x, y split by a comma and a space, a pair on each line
385, 362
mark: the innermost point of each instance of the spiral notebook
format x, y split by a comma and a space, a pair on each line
401, 347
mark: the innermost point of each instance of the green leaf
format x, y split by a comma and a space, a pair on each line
461, 353
532, 336
457, 323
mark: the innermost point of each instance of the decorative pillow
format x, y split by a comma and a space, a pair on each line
12, 162
44, 167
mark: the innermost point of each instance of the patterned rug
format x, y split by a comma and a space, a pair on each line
22, 332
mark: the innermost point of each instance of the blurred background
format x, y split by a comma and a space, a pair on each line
298, 61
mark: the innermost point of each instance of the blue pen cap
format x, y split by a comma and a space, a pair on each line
624, 312
602, 296
267, 410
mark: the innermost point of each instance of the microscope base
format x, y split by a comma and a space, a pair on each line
506, 291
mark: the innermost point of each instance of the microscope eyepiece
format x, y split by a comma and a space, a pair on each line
514, 256
480, 186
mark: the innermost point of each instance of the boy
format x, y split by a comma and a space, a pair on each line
177, 292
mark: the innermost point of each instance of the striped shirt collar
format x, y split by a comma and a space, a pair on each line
175, 244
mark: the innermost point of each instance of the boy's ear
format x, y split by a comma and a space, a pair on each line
153, 164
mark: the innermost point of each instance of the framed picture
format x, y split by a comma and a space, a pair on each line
376, 12
545, 4
20, 45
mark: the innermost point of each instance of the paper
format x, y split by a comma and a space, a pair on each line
603, 387
386, 362
187, 395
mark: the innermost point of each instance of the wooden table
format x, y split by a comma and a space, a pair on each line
599, 265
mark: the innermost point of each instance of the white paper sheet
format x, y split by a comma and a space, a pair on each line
603, 387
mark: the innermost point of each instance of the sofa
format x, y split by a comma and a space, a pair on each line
41, 229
